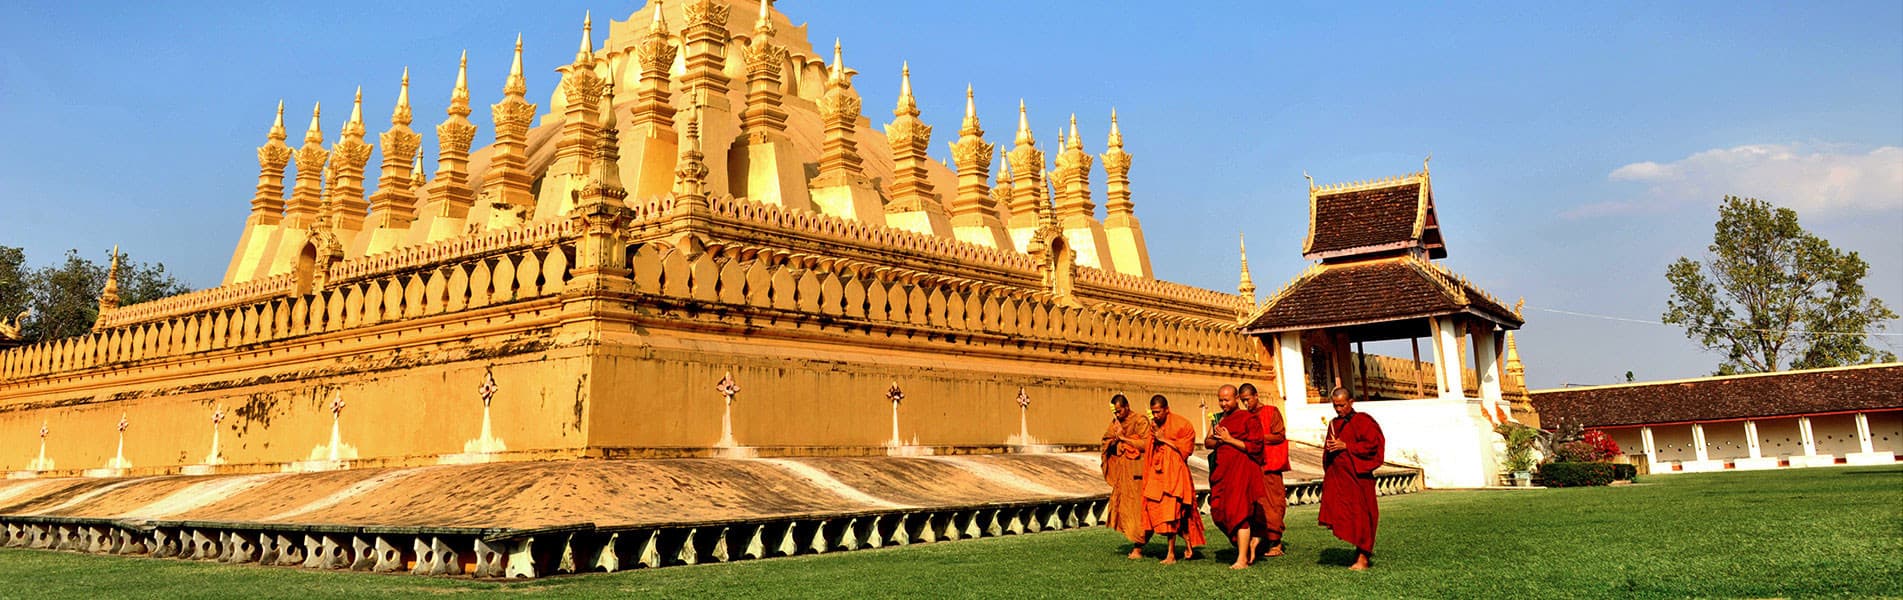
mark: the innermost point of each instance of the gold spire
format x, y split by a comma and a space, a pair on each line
516, 85
315, 135
1024, 126
659, 24
970, 126
354, 127
1116, 134
459, 97
763, 26
1075, 142
586, 55
838, 71
109, 296
416, 170
690, 173
401, 116
277, 126
1247, 287
908, 106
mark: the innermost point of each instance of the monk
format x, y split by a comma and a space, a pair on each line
1350, 453
1123, 466
1169, 492
1274, 464
1235, 477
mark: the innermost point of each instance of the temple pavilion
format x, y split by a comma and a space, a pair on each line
1375, 279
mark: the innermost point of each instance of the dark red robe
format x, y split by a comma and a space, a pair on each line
1348, 506
1235, 477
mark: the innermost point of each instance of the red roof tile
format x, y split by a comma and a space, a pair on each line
1724, 398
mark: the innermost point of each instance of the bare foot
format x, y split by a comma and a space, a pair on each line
1361, 564
1188, 554
1238, 566
1275, 550
1171, 559
1136, 553
1253, 545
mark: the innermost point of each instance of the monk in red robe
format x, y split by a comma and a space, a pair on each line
1274, 463
1169, 492
1350, 454
1235, 477
1123, 466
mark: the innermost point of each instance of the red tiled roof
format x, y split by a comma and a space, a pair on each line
1723, 398
1378, 219
1335, 295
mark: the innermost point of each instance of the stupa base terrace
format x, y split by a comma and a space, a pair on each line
534, 519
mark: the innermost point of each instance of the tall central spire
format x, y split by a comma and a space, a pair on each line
306, 193
347, 160
506, 184
393, 205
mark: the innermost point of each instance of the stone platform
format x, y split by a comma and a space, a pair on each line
529, 519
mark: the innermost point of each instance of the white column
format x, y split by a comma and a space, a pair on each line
1863, 433
1447, 359
1651, 449
1487, 363
1810, 441
1751, 437
1288, 357
1698, 442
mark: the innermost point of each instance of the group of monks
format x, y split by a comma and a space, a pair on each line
1146, 463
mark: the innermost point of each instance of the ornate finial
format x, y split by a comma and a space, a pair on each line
659, 24
763, 26
1424, 161
1519, 309
277, 126
416, 169
894, 394
459, 98
315, 135
837, 73
908, 106
1074, 142
727, 387
1024, 126
516, 85
690, 173
1311, 180
1247, 285
586, 55
971, 109
354, 127
109, 295
401, 116
1116, 133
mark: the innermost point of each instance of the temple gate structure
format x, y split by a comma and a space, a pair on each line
1375, 279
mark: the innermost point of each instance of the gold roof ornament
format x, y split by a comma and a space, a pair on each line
586, 55
401, 115
1024, 127
1116, 134
459, 96
277, 125
315, 135
353, 128
516, 85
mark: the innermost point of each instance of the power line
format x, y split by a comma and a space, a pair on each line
1749, 329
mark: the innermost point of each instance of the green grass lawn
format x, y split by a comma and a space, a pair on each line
1800, 533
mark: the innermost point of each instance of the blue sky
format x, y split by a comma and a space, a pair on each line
1578, 148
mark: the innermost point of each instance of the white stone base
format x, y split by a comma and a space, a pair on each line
1755, 464
1821, 460
1701, 466
466, 458
23, 475
105, 472
1870, 458
198, 470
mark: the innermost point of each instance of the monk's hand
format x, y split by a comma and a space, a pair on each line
1334, 445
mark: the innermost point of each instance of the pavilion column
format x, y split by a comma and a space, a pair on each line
1810, 441
1751, 438
1447, 360
1651, 449
1288, 358
1698, 442
1487, 364
1863, 433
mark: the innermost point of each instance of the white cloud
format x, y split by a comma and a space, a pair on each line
1812, 179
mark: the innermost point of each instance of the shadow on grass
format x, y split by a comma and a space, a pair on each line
1337, 557
1890, 472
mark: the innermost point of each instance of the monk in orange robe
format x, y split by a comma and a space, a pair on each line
1169, 492
1235, 476
1123, 466
1274, 463
1353, 449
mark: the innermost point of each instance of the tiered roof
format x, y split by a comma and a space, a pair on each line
1383, 216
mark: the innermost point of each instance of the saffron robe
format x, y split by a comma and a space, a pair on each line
1123, 466
1274, 462
1348, 506
1236, 495
1169, 491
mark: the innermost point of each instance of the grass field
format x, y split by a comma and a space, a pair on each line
1800, 533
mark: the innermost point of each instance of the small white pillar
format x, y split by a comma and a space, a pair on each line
1487, 365
1288, 357
1447, 359
1863, 433
1651, 449
1810, 441
1698, 442
1751, 437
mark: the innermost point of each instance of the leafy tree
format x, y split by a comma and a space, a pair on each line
1773, 296
14, 276
65, 297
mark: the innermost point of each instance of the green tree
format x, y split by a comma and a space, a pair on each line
14, 296
1773, 296
65, 297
